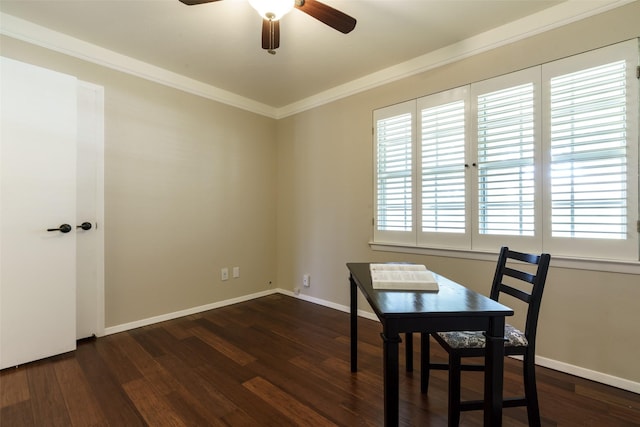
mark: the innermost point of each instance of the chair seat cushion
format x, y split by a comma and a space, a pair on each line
475, 339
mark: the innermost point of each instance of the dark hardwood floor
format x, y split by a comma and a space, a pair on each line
273, 361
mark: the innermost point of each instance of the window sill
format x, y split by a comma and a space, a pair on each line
612, 266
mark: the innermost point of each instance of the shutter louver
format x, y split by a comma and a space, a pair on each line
506, 131
443, 168
588, 153
394, 173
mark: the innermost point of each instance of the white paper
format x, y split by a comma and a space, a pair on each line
413, 277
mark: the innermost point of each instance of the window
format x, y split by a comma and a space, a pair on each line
443, 142
394, 173
506, 133
588, 153
545, 159
591, 146
505, 161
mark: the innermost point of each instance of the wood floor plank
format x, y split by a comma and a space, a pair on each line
14, 386
259, 411
180, 328
285, 403
116, 352
201, 395
273, 361
82, 406
233, 352
231, 317
190, 411
163, 381
309, 390
47, 402
114, 402
18, 414
614, 397
361, 390
156, 410
146, 337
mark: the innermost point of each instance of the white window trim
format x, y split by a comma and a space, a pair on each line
590, 264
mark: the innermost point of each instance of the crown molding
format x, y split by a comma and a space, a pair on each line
545, 20
548, 19
41, 36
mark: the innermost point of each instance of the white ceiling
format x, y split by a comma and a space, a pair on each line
218, 44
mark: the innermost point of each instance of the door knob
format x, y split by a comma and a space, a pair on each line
64, 228
84, 226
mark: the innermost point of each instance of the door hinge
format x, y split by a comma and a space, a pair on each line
638, 226
638, 72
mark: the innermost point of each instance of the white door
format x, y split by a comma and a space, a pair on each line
37, 267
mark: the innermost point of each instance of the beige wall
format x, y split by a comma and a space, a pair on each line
325, 205
192, 186
189, 188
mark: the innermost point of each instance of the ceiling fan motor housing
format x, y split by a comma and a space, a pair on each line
272, 10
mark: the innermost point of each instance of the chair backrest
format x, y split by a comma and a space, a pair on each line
531, 293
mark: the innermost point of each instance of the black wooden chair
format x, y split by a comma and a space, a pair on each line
513, 278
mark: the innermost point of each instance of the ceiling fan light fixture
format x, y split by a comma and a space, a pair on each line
272, 9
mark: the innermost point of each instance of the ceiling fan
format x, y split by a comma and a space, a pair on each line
272, 10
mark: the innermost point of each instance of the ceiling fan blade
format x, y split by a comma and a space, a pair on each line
194, 2
270, 35
330, 16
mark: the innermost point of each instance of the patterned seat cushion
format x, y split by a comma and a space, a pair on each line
475, 339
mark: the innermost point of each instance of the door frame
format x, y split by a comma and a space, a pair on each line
98, 141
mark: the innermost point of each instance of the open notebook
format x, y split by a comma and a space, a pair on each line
410, 277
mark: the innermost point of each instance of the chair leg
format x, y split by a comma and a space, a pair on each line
530, 390
425, 361
454, 389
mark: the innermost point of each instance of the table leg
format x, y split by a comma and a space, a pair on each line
425, 361
408, 354
354, 324
494, 373
391, 380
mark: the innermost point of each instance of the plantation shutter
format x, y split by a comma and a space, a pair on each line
506, 186
592, 141
394, 147
443, 187
588, 153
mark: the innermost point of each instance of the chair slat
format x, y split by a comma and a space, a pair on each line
528, 258
521, 275
517, 293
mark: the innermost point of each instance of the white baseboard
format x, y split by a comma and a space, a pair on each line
567, 368
176, 314
330, 304
589, 374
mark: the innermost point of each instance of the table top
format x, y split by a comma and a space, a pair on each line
452, 299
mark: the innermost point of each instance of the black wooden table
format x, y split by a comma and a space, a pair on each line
452, 308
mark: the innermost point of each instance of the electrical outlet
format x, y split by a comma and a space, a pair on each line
306, 280
236, 272
224, 274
